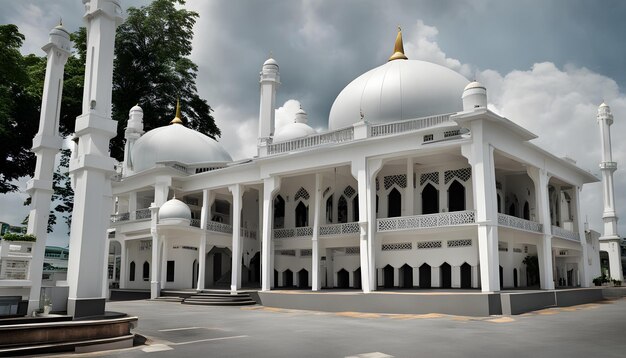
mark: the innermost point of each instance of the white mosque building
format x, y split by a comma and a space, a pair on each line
415, 184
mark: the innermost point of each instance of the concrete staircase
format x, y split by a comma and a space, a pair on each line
219, 298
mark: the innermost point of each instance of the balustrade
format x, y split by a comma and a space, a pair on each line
407, 125
338, 136
219, 227
340, 229
518, 223
565, 234
426, 221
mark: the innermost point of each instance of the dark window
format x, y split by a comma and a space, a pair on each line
342, 210
388, 275
446, 275
425, 276
287, 278
394, 203
526, 211
466, 275
170, 271
499, 204
430, 200
146, 271
343, 279
302, 215
329, 209
512, 210
355, 208
279, 212
456, 197
406, 276
131, 274
303, 278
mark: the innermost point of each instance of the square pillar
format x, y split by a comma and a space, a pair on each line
270, 187
237, 192
123, 258
315, 245
409, 193
544, 246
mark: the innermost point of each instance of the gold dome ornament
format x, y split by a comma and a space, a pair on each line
398, 49
177, 119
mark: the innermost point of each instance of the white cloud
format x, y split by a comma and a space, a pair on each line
286, 113
239, 134
421, 44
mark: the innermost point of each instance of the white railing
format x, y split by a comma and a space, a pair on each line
517, 223
565, 234
340, 229
247, 233
426, 221
407, 125
142, 214
338, 136
120, 217
219, 227
194, 222
305, 231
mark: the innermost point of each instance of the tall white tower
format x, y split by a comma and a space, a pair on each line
609, 241
46, 145
270, 80
92, 166
133, 131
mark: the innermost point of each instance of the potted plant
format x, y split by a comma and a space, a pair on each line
617, 283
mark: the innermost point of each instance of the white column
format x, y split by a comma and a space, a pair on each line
585, 280
92, 166
132, 205
409, 194
123, 263
315, 245
480, 156
359, 171
270, 187
46, 145
544, 246
235, 282
208, 197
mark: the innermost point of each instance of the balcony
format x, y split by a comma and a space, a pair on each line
218, 227
338, 136
520, 224
137, 215
378, 130
340, 229
428, 221
324, 231
565, 234
305, 231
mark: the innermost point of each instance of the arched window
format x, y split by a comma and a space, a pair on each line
302, 215
342, 210
512, 210
445, 271
146, 271
394, 203
466, 275
329, 209
355, 208
430, 199
526, 211
131, 274
279, 212
499, 204
456, 196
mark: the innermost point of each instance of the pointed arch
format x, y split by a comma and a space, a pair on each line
131, 273
329, 210
355, 208
342, 210
302, 215
456, 196
146, 271
394, 203
526, 212
279, 212
430, 199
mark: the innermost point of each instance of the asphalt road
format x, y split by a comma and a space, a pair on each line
175, 330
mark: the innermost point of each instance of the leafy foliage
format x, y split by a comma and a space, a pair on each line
19, 237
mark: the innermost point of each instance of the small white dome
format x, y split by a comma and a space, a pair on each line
270, 62
135, 108
398, 90
176, 142
174, 209
474, 84
293, 131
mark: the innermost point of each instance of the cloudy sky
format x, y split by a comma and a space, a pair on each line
547, 65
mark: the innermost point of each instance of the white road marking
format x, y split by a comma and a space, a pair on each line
179, 329
371, 355
156, 348
212, 339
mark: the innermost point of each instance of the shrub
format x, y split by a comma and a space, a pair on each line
19, 237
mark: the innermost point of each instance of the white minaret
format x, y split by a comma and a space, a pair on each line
609, 241
92, 166
270, 80
46, 145
134, 130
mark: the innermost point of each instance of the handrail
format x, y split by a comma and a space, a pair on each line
426, 221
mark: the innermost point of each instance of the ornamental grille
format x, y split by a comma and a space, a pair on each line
398, 246
459, 243
302, 193
349, 191
399, 180
433, 177
452, 133
287, 252
517, 249
306, 252
326, 191
353, 250
429, 245
428, 137
463, 174
186, 248
145, 245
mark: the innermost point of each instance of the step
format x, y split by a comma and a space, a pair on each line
220, 295
221, 299
168, 299
218, 303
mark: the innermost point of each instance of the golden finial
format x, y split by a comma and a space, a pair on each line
177, 119
398, 49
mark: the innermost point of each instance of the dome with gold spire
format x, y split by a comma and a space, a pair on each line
400, 89
176, 143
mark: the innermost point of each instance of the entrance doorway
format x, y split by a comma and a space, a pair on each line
343, 279
425, 276
388, 276
303, 278
446, 275
466, 275
406, 276
357, 278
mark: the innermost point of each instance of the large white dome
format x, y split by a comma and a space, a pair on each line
397, 90
176, 142
174, 209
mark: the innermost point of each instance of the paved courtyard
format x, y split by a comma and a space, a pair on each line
175, 330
